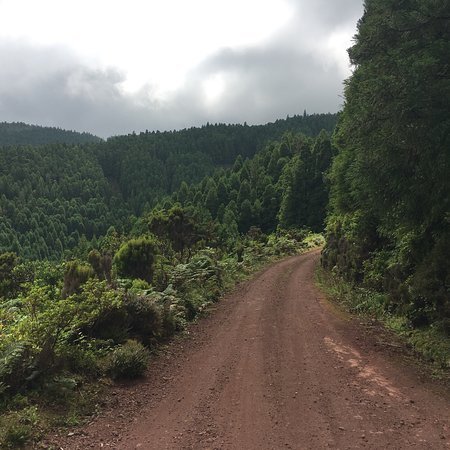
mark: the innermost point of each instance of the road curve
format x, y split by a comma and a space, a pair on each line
274, 367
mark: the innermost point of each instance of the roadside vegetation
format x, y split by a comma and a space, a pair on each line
388, 225
57, 196
70, 328
430, 344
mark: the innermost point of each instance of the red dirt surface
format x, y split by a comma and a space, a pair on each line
275, 366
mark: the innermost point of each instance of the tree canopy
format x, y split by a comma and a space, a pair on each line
390, 185
56, 199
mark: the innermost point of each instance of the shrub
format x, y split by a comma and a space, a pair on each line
169, 321
76, 275
19, 427
129, 360
111, 324
135, 259
101, 264
145, 317
15, 365
100, 312
59, 390
81, 357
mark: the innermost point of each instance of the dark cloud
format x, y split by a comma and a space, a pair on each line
291, 72
263, 84
51, 87
295, 70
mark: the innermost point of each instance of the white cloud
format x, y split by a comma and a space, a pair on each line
153, 41
111, 67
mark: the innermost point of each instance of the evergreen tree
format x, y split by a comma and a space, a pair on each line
245, 216
136, 258
390, 189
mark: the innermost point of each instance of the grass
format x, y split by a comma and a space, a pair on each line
430, 344
26, 419
19, 427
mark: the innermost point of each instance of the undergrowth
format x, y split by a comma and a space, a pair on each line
61, 347
430, 343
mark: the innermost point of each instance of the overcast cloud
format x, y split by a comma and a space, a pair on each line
300, 66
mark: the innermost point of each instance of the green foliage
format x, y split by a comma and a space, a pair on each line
199, 281
81, 356
18, 428
136, 258
41, 328
18, 133
15, 364
53, 196
59, 389
390, 189
305, 193
432, 343
76, 275
146, 318
101, 264
129, 360
175, 226
63, 324
54, 344
354, 298
283, 185
60, 199
8, 262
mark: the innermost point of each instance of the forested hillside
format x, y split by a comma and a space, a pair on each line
284, 186
51, 196
389, 226
55, 198
148, 165
66, 324
18, 133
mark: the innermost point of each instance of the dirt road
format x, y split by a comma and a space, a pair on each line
274, 367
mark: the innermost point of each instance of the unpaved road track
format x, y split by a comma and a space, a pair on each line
274, 367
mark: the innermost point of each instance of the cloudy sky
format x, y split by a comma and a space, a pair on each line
113, 66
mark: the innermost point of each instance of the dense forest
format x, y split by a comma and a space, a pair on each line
18, 133
51, 197
282, 187
150, 164
56, 197
389, 223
